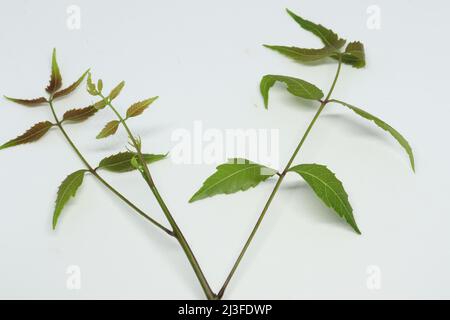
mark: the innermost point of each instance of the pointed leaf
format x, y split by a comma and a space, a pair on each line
116, 91
55, 78
78, 115
71, 88
109, 129
303, 55
328, 37
297, 87
328, 188
67, 189
383, 125
138, 108
28, 102
234, 176
121, 162
32, 134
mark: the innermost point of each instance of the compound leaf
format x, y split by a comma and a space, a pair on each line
67, 189
28, 102
236, 175
329, 189
297, 87
32, 134
71, 88
138, 108
109, 129
78, 115
328, 37
121, 162
55, 78
383, 125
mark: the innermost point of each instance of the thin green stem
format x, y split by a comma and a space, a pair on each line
95, 174
177, 231
323, 103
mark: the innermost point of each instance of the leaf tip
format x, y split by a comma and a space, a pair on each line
193, 198
412, 162
354, 226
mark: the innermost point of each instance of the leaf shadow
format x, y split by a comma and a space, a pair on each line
168, 247
357, 128
151, 130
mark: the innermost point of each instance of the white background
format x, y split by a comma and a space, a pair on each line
204, 59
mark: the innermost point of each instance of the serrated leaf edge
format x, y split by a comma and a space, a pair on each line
57, 211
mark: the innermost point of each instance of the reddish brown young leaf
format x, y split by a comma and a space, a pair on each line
28, 102
70, 88
138, 108
32, 134
78, 115
55, 78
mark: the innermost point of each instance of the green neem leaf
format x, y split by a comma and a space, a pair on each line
90, 86
121, 162
116, 91
32, 134
328, 37
78, 115
100, 85
236, 175
328, 188
303, 55
71, 88
28, 102
138, 108
109, 129
354, 55
67, 189
55, 78
297, 87
383, 125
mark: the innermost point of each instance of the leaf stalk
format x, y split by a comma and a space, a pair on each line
99, 178
323, 103
176, 230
